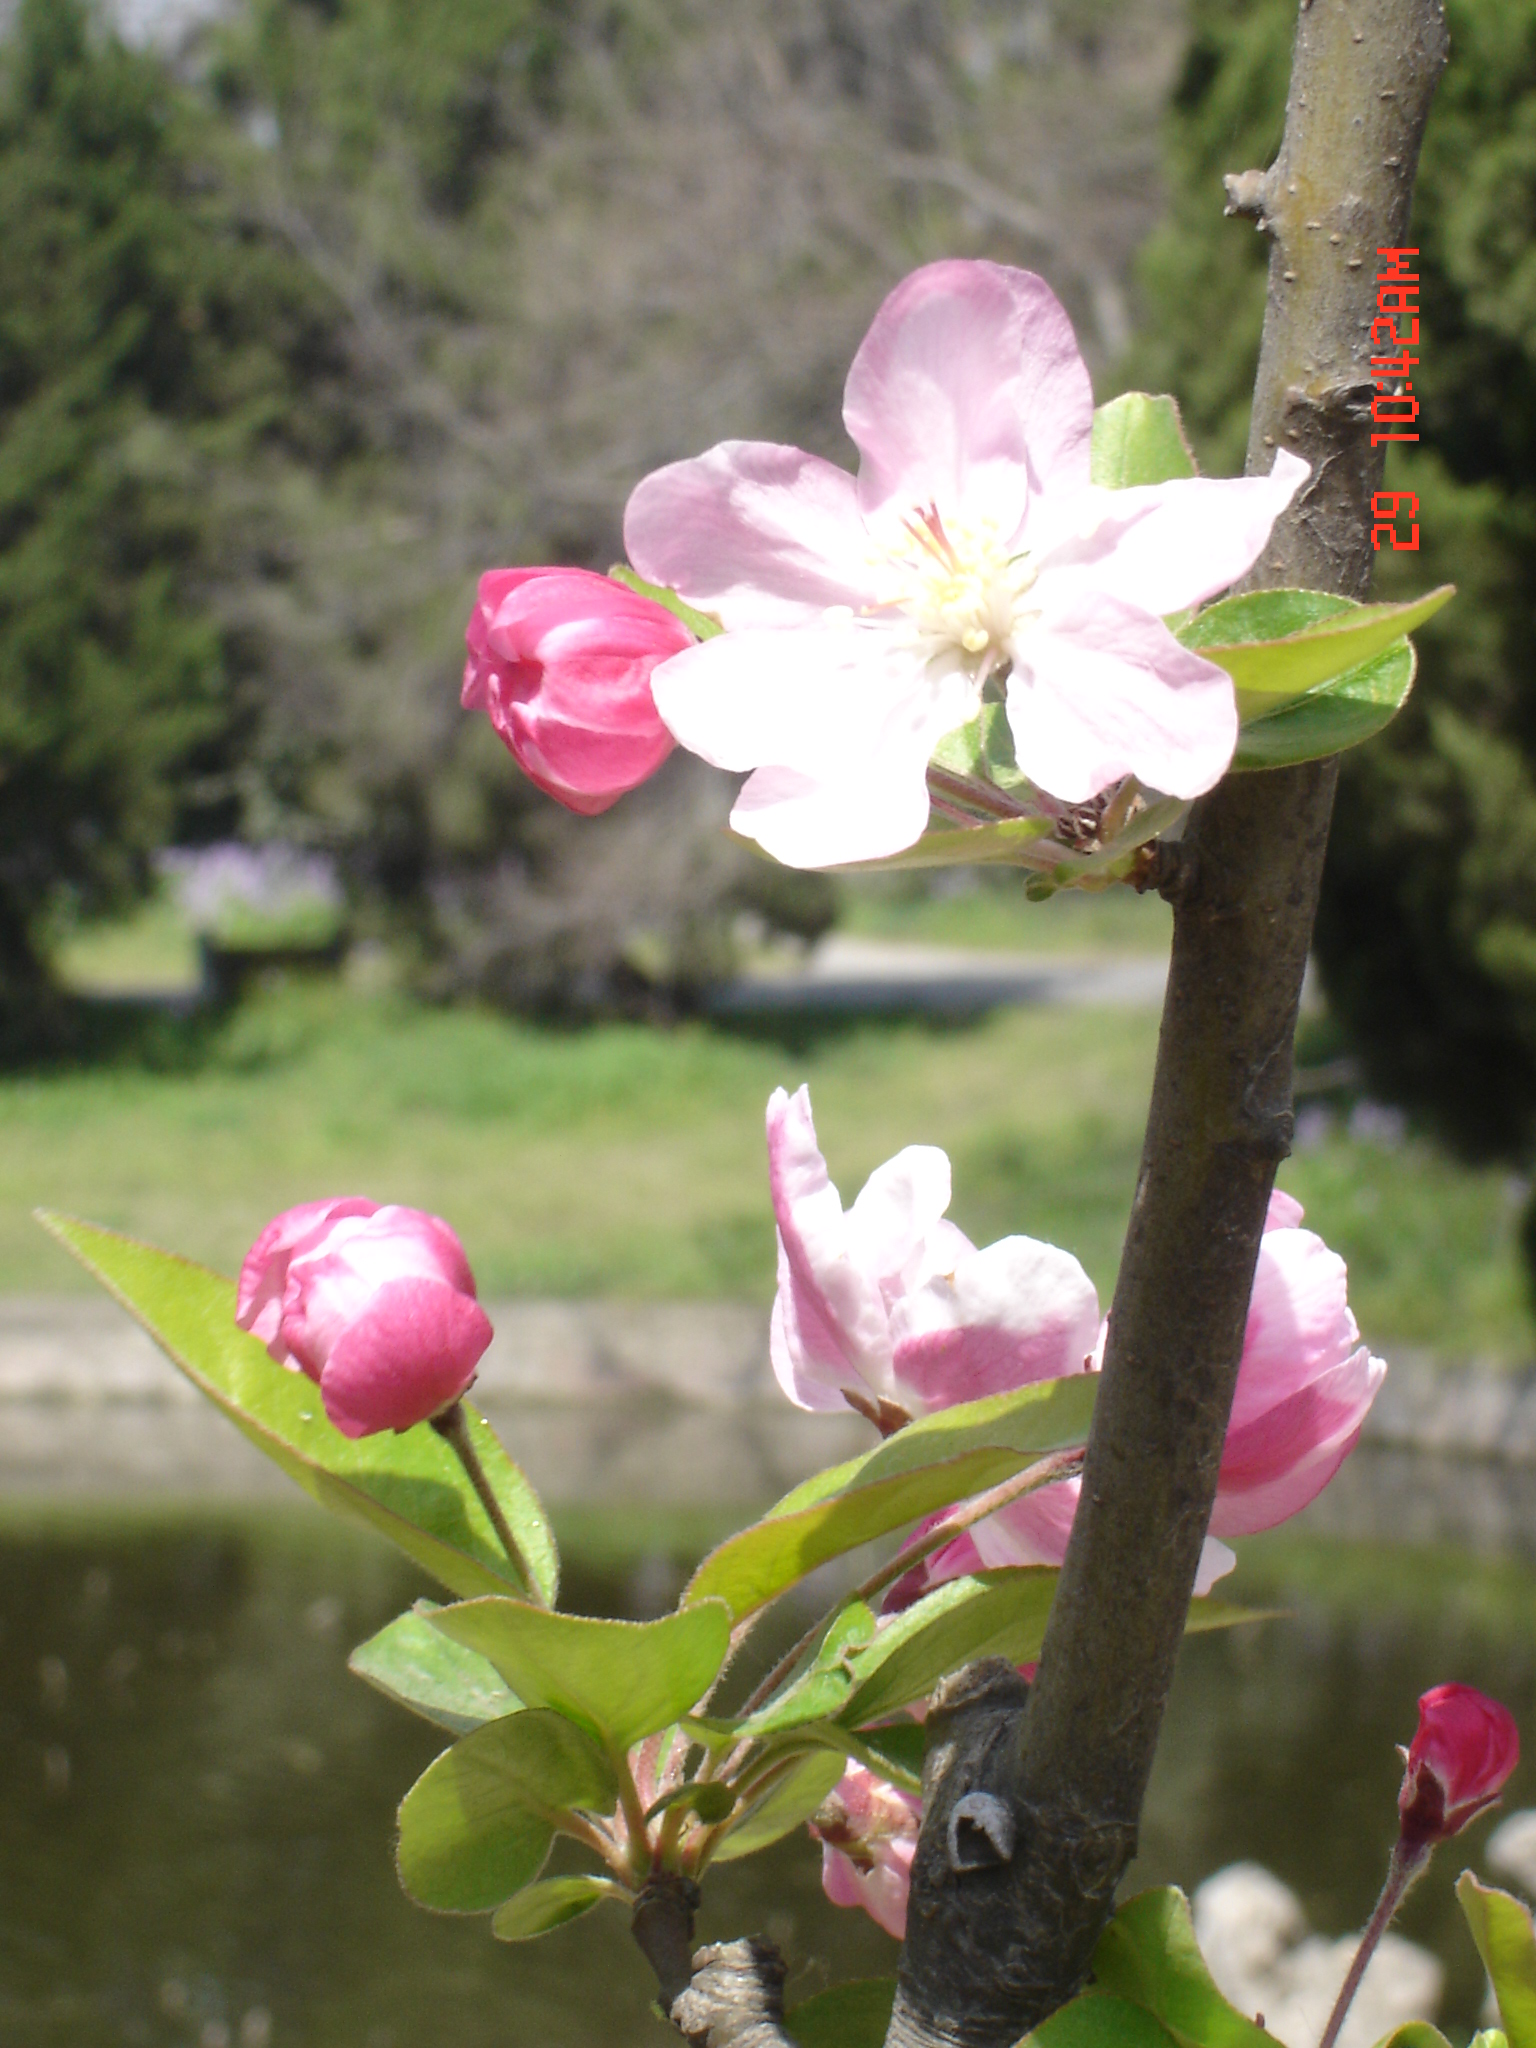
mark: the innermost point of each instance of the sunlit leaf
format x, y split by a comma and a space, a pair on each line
1098, 2019
410, 1487
1501, 1927
928, 1465
1353, 707
622, 1680
1138, 439
1148, 1955
856, 2015
416, 1664
1420, 2034
477, 1825
539, 1908
787, 1804
1276, 644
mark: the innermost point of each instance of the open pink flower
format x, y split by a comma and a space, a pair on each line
1303, 1390
868, 1834
377, 1306
1465, 1748
864, 615
890, 1302
561, 660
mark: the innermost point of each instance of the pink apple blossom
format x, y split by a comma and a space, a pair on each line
377, 1306
1303, 1390
890, 1302
865, 615
561, 661
1465, 1748
868, 1834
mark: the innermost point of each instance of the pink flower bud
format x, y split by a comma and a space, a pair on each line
868, 1835
1465, 1748
560, 660
377, 1306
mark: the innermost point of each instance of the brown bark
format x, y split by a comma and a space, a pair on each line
994, 1945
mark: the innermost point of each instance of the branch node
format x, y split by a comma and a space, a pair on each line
1248, 197
981, 1832
736, 1999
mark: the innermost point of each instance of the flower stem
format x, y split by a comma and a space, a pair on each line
1401, 1872
453, 1427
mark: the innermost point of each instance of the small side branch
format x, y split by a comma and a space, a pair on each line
730, 1995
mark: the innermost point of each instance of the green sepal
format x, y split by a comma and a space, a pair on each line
540, 1908
947, 846
1148, 1955
411, 1661
409, 1486
1138, 439
1278, 644
1506, 1941
700, 624
620, 1680
477, 1824
1098, 2019
787, 1804
856, 2015
927, 1465
983, 750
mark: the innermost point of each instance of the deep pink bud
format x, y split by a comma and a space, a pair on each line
377, 1306
1466, 1747
560, 660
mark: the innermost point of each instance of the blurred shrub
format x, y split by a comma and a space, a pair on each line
1427, 931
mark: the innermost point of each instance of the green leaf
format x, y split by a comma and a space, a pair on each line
1148, 1955
1097, 2019
1340, 714
540, 1908
983, 750
928, 1465
787, 1804
1138, 439
896, 1752
1420, 2034
1501, 1927
1487, 2037
821, 1688
998, 1613
416, 1664
477, 1825
711, 1801
1276, 644
856, 2015
698, 623
622, 1680
409, 1487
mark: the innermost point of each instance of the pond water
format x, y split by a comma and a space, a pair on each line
198, 1797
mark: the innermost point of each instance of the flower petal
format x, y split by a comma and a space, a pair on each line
410, 1354
1100, 690
968, 393
1274, 1465
1017, 1312
1162, 547
829, 1328
896, 1214
1299, 1322
758, 534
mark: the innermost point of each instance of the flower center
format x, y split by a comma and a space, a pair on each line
959, 586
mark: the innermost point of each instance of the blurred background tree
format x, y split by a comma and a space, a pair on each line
538, 249
159, 365
1427, 932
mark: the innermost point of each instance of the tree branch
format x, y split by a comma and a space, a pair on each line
728, 1996
993, 1948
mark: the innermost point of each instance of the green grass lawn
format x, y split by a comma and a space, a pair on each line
626, 1160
